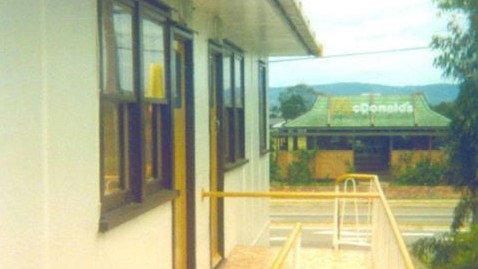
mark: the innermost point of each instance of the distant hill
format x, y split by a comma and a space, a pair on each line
435, 93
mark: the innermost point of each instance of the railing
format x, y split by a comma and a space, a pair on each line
360, 238
387, 245
292, 244
386, 235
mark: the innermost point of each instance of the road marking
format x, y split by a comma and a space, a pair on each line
410, 234
354, 233
278, 238
345, 233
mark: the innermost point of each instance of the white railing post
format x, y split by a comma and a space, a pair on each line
336, 228
296, 257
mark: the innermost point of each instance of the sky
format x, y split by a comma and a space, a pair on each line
349, 30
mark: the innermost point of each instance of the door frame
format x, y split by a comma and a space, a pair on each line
215, 52
185, 36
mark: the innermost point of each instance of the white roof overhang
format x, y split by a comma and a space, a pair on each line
270, 27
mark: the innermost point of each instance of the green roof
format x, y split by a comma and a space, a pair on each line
370, 110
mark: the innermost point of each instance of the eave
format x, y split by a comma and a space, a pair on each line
268, 27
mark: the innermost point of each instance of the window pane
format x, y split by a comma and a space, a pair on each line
152, 143
212, 81
240, 136
153, 57
112, 148
148, 144
262, 107
179, 82
117, 49
238, 94
227, 133
124, 38
227, 81
149, 140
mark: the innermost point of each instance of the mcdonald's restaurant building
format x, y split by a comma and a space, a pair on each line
363, 133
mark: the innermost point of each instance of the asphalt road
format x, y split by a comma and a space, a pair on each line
416, 219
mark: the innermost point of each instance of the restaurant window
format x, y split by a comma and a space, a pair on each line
310, 142
263, 108
295, 143
411, 143
134, 104
233, 106
438, 142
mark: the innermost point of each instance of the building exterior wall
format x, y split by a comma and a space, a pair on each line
328, 164
333, 163
50, 195
413, 156
241, 215
22, 199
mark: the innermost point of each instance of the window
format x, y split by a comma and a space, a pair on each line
411, 142
233, 106
330, 142
438, 142
295, 143
134, 104
263, 107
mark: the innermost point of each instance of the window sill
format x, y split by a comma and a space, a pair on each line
234, 165
114, 218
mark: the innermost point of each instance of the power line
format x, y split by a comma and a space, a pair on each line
350, 54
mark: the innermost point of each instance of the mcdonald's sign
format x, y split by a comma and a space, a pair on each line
340, 106
344, 105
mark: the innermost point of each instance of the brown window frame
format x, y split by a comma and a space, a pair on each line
233, 106
143, 127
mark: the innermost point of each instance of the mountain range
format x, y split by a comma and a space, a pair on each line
435, 93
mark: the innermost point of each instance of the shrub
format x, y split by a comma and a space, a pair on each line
424, 172
299, 171
449, 250
274, 170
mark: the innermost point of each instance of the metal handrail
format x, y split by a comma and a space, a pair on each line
339, 213
407, 261
359, 177
394, 226
288, 195
292, 241
332, 195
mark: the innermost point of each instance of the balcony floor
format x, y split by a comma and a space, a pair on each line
311, 258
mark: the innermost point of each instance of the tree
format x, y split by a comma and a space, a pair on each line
445, 108
296, 100
458, 58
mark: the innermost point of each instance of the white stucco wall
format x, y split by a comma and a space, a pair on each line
49, 161
201, 113
22, 184
49, 202
247, 219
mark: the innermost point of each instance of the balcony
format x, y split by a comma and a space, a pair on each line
364, 233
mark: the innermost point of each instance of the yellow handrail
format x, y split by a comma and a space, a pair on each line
393, 224
287, 247
329, 195
391, 218
288, 195
355, 176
